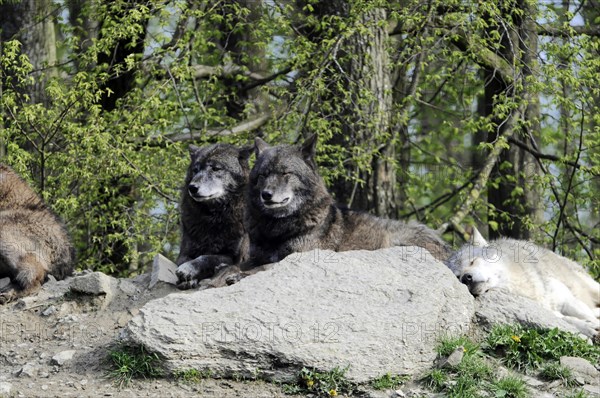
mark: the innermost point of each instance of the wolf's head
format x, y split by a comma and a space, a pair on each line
477, 264
284, 178
216, 171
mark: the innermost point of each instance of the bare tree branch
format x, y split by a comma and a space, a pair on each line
555, 31
500, 145
243, 127
204, 71
554, 158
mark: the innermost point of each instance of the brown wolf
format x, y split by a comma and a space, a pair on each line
33, 241
290, 210
212, 212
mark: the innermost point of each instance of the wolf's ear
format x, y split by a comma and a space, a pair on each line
193, 150
244, 154
259, 145
477, 239
309, 147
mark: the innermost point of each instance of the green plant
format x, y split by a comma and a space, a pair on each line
447, 346
388, 381
510, 387
323, 384
555, 371
578, 394
525, 347
436, 380
192, 375
127, 363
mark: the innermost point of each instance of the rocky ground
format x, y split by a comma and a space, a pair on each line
56, 343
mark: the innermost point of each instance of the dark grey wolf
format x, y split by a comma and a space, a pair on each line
212, 212
526, 269
33, 241
290, 210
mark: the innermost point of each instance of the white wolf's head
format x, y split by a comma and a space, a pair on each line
477, 264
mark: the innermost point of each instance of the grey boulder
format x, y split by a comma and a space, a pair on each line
373, 312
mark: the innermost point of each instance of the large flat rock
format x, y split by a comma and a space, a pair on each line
376, 312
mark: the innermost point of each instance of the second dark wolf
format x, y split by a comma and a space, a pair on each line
33, 241
290, 210
212, 212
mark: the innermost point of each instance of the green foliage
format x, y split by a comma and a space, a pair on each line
523, 348
578, 394
103, 133
510, 387
469, 377
192, 376
388, 381
447, 345
127, 363
436, 380
321, 384
555, 371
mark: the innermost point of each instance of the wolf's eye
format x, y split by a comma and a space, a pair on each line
196, 168
216, 167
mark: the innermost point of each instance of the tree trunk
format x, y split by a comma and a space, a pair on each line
31, 23
514, 197
364, 110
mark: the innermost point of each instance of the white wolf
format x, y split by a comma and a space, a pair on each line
523, 268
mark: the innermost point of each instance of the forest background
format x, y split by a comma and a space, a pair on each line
450, 112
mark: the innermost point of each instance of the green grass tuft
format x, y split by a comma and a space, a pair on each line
127, 363
524, 348
556, 371
388, 381
321, 384
192, 376
510, 387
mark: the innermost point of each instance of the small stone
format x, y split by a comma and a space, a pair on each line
28, 370
4, 282
83, 382
453, 359
532, 382
44, 387
582, 370
128, 287
593, 390
44, 375
62, 357
49, 311
25, 302
5, 389
163, 270
95, 284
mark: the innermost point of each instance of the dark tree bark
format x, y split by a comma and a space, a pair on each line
31, 22
364, 110
516, 168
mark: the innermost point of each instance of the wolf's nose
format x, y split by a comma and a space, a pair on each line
193, 189
266, 195
467, 279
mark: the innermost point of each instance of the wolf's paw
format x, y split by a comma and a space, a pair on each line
6, 297
235, 278
187, 271
187, 285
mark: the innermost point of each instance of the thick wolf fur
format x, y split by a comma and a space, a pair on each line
523, 268
33, 241
212, 212
290, 210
